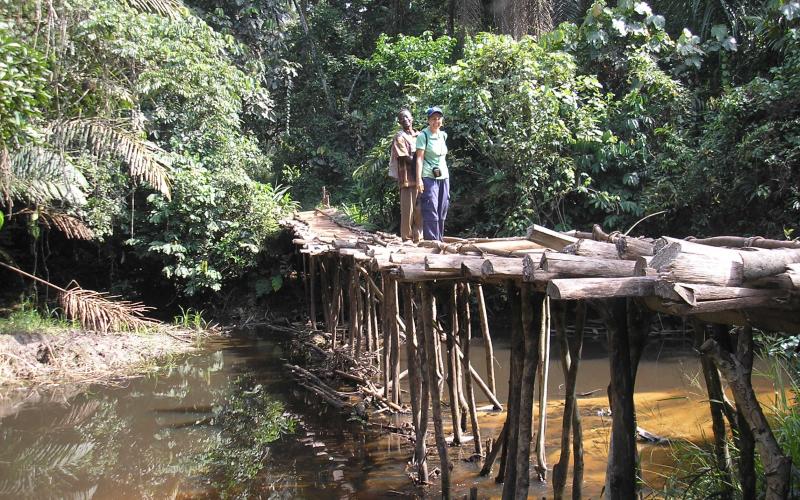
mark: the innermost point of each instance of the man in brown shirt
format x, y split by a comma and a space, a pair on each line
403, 157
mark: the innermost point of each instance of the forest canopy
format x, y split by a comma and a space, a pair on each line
158, 142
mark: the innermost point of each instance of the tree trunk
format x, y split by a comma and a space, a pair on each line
737, 371
715, 401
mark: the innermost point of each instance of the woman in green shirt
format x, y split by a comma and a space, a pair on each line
434, 178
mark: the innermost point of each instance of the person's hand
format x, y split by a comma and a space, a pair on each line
420, 186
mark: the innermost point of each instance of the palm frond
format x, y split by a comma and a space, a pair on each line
377, 160
5, 179
570, 11
102, 312
39, 175
167, 8
72, 227
95, 310
105, 139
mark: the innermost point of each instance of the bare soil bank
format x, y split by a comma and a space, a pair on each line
79, 356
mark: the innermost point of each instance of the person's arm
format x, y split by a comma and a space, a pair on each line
420, 156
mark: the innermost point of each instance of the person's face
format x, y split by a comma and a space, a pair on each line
435, 120
405, 120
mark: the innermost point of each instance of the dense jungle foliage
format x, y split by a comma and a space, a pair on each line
151, 146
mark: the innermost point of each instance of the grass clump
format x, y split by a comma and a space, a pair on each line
28, 319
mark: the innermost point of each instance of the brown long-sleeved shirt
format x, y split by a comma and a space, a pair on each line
403, 153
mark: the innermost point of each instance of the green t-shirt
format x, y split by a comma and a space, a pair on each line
435, 146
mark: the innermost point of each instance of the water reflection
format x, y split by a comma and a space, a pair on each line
184, 431
158, 435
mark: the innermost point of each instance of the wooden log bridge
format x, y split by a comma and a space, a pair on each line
378, 297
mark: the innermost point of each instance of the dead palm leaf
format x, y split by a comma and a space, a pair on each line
105, 138
102, 312
72, 227
95, 310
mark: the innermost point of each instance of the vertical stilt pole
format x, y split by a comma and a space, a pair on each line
529, 304
509, 462
452, 361
544, 374
465, 333
415, 384
570, 360
487, 339
393, 345
426, 387
428, 334
621, 469
312, 300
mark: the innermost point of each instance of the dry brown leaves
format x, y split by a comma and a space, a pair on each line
72, 227
102, 312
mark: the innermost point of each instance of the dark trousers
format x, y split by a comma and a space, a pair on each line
435, 202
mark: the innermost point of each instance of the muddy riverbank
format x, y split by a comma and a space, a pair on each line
73, 356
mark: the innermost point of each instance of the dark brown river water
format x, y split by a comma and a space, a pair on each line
148, 437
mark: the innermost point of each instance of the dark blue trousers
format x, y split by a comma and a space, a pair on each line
435, 201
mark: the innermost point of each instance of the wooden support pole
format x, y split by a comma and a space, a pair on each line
394, 338
431, 338
418, 362
312, 287
482, 385
465, 335
336, 300
452, 362
570, 423
324, 280
509, 462
369, 347
388, 316
530, 304
487, 339
621, 469
495, 449
544, 375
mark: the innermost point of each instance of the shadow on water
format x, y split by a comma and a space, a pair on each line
203, 427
